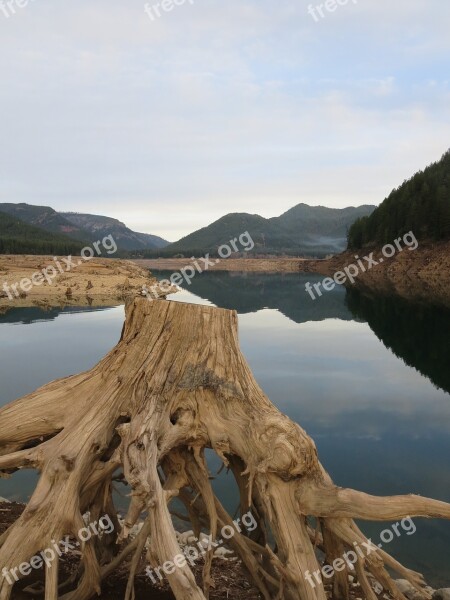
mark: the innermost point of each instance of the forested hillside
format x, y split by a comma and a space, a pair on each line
301, 231
421, 205
81, 227
99, 226
17, 237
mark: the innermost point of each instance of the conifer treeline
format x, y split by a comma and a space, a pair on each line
421, 205
17, 237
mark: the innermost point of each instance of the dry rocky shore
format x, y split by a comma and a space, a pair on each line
97, 282
421, 274
228, 574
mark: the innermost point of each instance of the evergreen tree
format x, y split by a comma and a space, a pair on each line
421, 205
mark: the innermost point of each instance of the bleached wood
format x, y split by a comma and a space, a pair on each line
176, 384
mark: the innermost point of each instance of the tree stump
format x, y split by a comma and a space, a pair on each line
176, 384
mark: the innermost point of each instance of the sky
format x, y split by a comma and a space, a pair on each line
167, 123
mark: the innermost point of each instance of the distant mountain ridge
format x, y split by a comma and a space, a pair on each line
82, 227
44, 217
18, 237
100, 226
302, 230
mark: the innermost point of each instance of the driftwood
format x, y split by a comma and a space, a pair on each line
175, 384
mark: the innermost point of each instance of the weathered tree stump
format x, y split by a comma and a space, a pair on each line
175, 384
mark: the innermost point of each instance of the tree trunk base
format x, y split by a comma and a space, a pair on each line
175, 385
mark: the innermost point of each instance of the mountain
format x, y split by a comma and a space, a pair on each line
319, 221
302, 230
99, 226
18, 237
209, 238
323, 230
421, 205
87, 228
44, 217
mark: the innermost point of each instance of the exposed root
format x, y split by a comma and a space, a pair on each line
175, 385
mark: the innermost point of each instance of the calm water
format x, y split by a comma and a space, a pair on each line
367, 377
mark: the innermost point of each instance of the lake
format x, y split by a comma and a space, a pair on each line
366, 376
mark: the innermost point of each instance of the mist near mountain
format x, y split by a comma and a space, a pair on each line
303, 230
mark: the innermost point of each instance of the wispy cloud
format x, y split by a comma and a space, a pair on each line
218, 106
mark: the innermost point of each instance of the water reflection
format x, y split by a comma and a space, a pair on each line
418, 333
379, 425
251, 292
38, 346
30, 315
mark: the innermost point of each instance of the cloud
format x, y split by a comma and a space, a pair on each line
217, 107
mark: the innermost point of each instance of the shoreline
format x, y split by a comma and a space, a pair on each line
97, 282
408, 264
422, 274
254, 265
228, 574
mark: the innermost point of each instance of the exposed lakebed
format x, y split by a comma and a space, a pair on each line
366, 376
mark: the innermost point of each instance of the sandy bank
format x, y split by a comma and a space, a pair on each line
421, 274
259, 265
98, 282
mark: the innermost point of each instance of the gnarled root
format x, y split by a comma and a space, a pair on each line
177, 384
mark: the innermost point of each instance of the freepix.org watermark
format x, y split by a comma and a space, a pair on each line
360, 552
8, 7
154, 11
330, 6
353, 270
191, 554
103, 526
49, 273
188, 273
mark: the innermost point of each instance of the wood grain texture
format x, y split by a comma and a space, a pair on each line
175, 385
